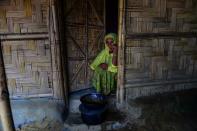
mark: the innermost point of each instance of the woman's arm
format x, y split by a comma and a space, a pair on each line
115, 55
98, 60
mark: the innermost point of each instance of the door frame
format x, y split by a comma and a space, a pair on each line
120, 93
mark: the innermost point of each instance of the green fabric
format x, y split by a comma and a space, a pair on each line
105, 57
104, 80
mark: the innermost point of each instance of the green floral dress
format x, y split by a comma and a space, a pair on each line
104, 80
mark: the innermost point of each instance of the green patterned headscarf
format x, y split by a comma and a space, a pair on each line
113, 36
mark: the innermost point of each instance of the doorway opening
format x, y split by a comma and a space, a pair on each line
111, 16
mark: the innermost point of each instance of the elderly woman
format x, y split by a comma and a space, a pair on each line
105, 66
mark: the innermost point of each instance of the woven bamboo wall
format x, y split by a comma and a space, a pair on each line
22, 16
154, 59
28, 67
27, 62
161, 16
160, 64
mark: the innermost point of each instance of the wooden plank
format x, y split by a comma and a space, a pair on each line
161, 35
16, 14
23, 36
163, 82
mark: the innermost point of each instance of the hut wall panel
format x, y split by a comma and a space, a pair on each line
159, 60
19, 16
28, 62
160, 16
28, 67
170, 54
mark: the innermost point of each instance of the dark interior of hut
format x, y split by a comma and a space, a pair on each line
111, 16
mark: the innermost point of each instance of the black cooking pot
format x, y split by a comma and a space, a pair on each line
94, 100
93, 108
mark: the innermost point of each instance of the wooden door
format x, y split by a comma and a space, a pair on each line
85, 28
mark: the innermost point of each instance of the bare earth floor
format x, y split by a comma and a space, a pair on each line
166, 112
169, 112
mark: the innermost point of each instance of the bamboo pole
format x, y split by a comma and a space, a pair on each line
121, 48
63, 51
55, 51
5, 108
56, 36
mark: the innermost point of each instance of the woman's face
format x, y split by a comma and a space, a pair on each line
110, 44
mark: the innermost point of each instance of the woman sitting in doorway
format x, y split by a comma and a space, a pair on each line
105, 66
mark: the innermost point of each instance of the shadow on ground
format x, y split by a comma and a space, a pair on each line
162, 112
168, 112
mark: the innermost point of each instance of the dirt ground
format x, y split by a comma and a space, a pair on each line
166, 112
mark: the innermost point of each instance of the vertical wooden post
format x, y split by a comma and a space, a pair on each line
63, 48
55, 52
5, 108
121, 53
56, 36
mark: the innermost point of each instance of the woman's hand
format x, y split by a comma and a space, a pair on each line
104, 66
115, 49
